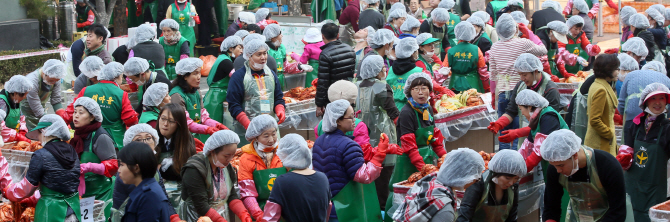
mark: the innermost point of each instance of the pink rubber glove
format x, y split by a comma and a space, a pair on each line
594, 10
205, 119
183, 56
32, 200
7, 133
592, 49
195, 127
248, 195
252, 205
568, 8
5, 178
567, 57
367, 173
272, 212
97, 168
82, 185
295, 56
19, 191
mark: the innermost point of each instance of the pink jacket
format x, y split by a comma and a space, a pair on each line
312, 51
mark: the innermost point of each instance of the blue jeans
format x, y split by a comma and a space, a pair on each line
503, 101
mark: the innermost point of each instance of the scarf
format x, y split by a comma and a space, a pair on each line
424, 200
63, 153
418, 13
421, 108
82, 133
173, 39
88, 52
648, 122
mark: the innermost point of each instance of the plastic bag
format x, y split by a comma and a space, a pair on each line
207, 63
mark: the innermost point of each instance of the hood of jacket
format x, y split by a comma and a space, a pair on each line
402, 66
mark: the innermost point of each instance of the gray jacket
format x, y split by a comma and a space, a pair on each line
33, 100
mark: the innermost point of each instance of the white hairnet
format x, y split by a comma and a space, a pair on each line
370, 2
581, 6
230, 42
253, 46
187, 65
155, 94
506, 27
654, 87
18, 84
474, 20
111, 71
398, 5
660, 8
247, 17
170, 23
371, 66
421, 38
482, 15
294, 152
409, 24
241, 33
574, 20
636, 45
465, 31
626, 13
343, 89
396, 13
515, 2
91, 106
667, 14
253, 36
3, 114
371, 33
551, 4
529, 97
334, 111
627, 63
460, 167
406, 47
656, 15
528, 63
220, 138
519, 17
261, 14
259, 124
560, 145
144, 33
271, 31
655, 66
137, 129
91, 66
446, 4
509, 162
135, 65
411, 79
54, 68
559, 27
439, 15
58, 127
639, 21
380, 38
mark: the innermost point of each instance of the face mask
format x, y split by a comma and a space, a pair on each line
362, 8
219, 164
276, 43
575, 167
647, 110
388, 51
181, 1
391, 57
258, 66
267, 149
47, 82
622, 75
141, 83
430, 54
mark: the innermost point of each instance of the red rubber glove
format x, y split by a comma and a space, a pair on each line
612, 51
211, 130
175, 218
221, 126
625, 160
532, 161
555, 78
618, 120
138, 13
315, 81
243, 119
383, 146
21, 137
258, 215
438, 145
214, 216
63, 114
496, 126
408, 143
394, 149
281, 113
238, 209
511, 135
487, 85
524, 30
197, 19
32, 200
198, 145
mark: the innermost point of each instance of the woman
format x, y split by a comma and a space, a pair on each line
467, 72
15, 91
656, 21
410, 28
284, 201
602, 102
407, 54
183, 12
639, 23
647, 151
209, 181
427, 57
53, 169
496, 196
488, 29
395, 19
263, 18
154, 100
139, 73
96, 151
625, 14
481, 40
137, 166
175, 46
185, 92
341, 159
432, 198
375, 103
219, 76
259, 164
310, 54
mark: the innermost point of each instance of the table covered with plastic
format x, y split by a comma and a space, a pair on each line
456, 124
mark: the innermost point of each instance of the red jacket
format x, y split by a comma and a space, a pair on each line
350, 14
581, 40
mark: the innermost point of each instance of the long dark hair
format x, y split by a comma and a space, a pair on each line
184, 145
181, 82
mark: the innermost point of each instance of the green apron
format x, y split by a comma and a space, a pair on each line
97, 186
588, 200
463, 59
265, 180
140, 89
437, 35
320, 132
357, 202
109, 98
172, 188
404, 167
370, 104
577, 50
451, 25
133, 20
182, 17
313, 74
193, 105
153, 8
216, 95
172, 56
429, 67
489, 212
53, 205
496, 6
397, 83
148, 116
13, 118
280, 56
81, 18
258, 98
484, 35
646, 177
222, 14
31, 119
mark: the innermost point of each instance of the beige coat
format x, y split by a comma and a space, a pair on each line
602, 102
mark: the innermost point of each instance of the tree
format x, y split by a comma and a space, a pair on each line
103, 11
120, 20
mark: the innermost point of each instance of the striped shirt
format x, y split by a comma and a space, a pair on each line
503, 54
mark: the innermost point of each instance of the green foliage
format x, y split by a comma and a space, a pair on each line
22, 66
38, 9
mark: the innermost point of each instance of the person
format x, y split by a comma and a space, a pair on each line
639, 23
311, 52
460, 8
253, 28
263, 19
627, 65
421, 142
488, 29
655, 66
259, 164
46, 84
209, 182
90, 67
438, 27
348, 90
175, 46
427, 57
219, 77
13, 126
337, 61
593, 179
656, 21
551, 11
557, 58
371, 16
183, 12
116, 109
147, 202
416, 10
54, 170
395, 20
520, 17
625, 14
592, 13
277, 50
138, 70
341, 159
349, 18
85, 16
96, 151
481, 39
143, 46
468, 67
241, 33
245, 98
409, 28
503, 56
602, 101
454, 18
503, 7
154, 100
636, 47
95, 44
407, 54
362, 47
381, 43
185, 92
432, 198
244, 19
581, 9
289, 203
238, 63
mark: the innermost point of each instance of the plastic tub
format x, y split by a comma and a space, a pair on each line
294, 80
660, 212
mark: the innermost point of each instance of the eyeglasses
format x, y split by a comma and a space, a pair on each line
164, 119
420, 89
145, 140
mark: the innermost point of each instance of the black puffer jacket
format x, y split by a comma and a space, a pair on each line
336, 62
45, 170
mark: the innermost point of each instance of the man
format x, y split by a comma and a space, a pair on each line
92, 44
45, 86
349, 18
437, 26
16, 90
416, 10
137, 70
548, 14
240, 60
371, 16
85, 16
243, 19
336, 62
